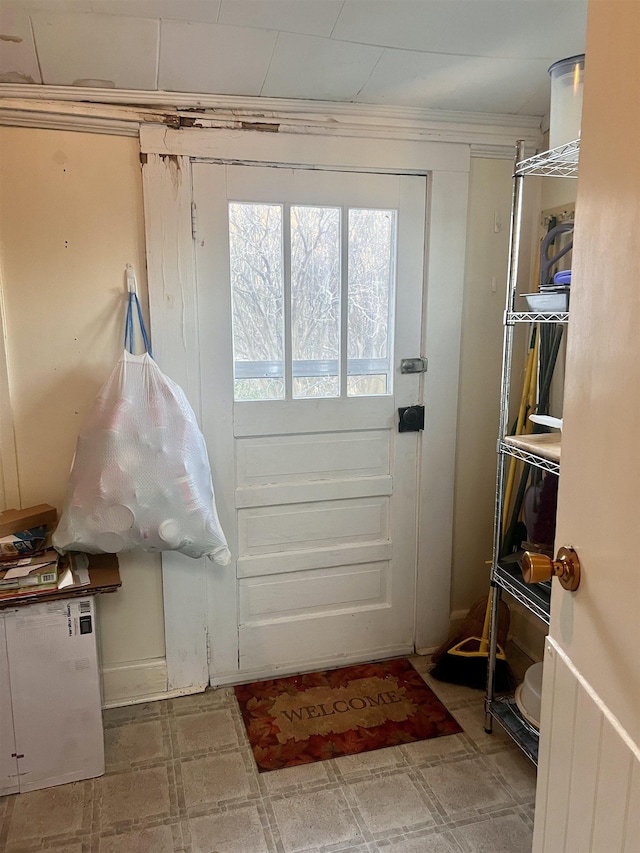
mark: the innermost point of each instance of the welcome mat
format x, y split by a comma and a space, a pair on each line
324, 715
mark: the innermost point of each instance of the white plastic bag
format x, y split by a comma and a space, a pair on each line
140, 477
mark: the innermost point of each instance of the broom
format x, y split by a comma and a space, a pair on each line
464, 657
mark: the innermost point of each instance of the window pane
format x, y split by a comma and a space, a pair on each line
367, 386
315, 299
255, 246
328, 386
258, 389
372, 236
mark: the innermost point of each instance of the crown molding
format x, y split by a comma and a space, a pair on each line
249, 103
119, 120
17, 117
122, 111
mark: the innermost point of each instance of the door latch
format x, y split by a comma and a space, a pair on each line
413, 365
411, 419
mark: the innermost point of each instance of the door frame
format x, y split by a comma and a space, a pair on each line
167, 156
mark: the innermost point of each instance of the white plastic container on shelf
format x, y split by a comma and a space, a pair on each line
529, 694
567, 83
549, 302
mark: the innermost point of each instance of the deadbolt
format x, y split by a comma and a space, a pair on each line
411, 419
413, 365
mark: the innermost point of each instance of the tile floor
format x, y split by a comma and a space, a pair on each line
180, 777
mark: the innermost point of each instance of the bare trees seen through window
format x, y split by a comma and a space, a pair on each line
294, 257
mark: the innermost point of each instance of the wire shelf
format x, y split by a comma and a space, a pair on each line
531, 458
560, 162
540, 450
506, 712
536, 597
536, 317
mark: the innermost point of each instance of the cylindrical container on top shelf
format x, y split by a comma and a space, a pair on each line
567, 80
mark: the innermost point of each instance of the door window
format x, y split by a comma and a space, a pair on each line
313, 289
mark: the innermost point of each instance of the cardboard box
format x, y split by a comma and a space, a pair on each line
17, 520
24, 543
30, 572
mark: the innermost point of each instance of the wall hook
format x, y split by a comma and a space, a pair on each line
132, 284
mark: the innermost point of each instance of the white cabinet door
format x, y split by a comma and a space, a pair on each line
309, 289
8, 761
55, 692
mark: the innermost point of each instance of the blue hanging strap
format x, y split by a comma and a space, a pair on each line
128, 326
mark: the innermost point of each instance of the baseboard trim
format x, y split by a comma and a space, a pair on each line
133, 682
456, 618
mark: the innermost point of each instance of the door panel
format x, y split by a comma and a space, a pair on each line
324, 532
343, 555
336, 604
266, 643
265, 530
271, 460
332, 489
313, 591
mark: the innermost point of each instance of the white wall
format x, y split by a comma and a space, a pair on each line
481, 356
70, 220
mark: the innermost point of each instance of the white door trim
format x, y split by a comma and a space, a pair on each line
171, 276
442, 335
397, 156
174, 332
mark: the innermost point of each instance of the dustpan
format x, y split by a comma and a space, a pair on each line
463, 658
478, 647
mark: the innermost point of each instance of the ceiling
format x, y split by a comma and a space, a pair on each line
486, 56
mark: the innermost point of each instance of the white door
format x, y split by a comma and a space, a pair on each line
309, 289
588, 796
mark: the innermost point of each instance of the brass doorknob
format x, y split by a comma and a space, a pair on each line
539, 567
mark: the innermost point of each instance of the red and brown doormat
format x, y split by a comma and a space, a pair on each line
324, 715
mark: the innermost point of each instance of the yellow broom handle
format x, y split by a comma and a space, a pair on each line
484, 640
522, 411
527, 402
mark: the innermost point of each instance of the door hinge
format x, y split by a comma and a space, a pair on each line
194, 221
208, 638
